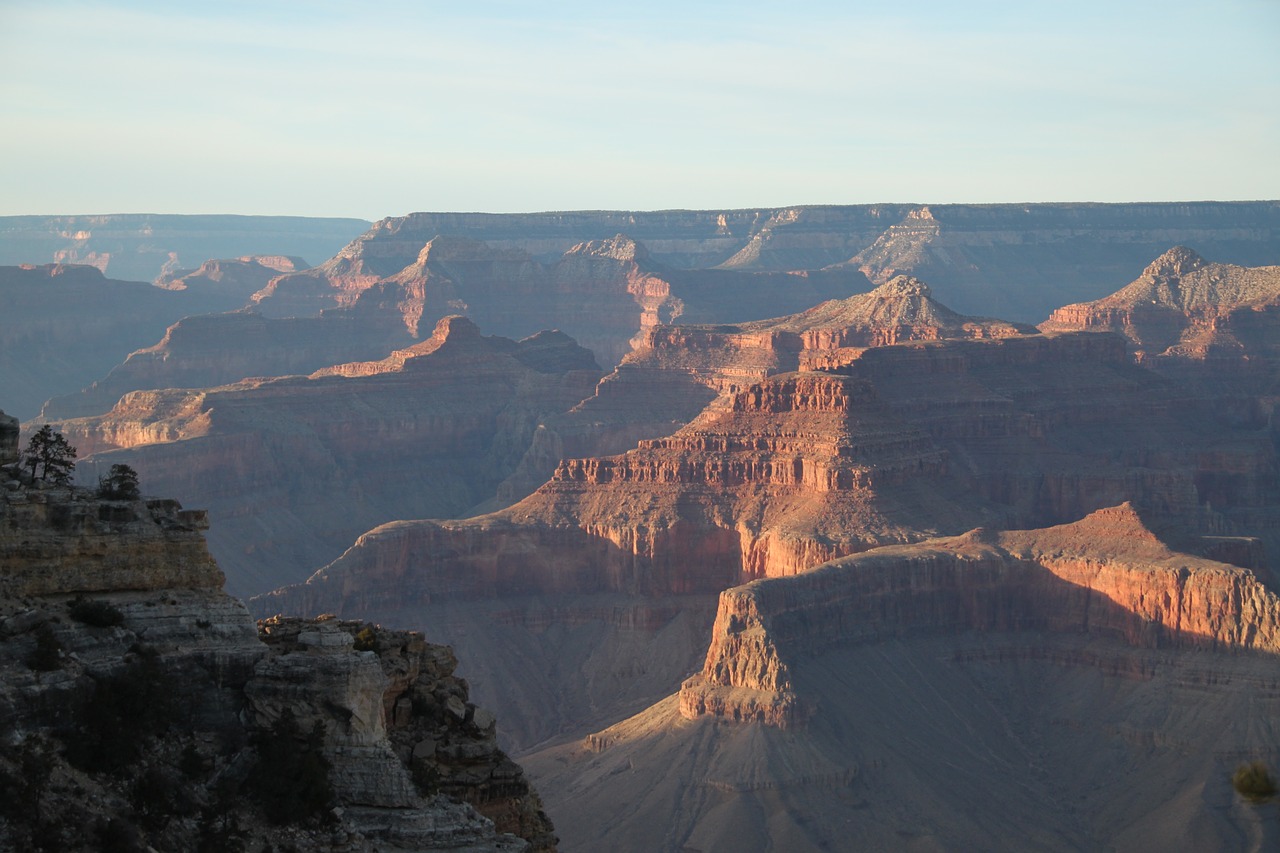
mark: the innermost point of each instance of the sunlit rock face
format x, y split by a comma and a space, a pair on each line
1186, 312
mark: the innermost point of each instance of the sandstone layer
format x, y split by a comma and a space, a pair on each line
293, 469
137, 695
1185, 308
906, 697
676, 371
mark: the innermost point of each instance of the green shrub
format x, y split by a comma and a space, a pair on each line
366, 640
1254, 781
99, 614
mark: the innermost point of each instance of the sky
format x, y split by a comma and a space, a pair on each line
370, 110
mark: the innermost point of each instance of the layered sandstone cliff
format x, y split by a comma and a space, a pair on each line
1185, 308
676, 371
293, 469
1107, 575
138, 695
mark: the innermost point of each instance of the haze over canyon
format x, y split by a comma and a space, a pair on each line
895, 526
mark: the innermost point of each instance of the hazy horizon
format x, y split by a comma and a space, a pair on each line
321, 109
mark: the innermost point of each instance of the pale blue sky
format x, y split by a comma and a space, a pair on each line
371, 110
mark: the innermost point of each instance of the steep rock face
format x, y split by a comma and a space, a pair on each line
402, 708
1184, 308
62, 323
603, 292
149, 625
1105, 575
675, 371
144, 247
294, 469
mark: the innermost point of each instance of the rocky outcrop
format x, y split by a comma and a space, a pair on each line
401, 713
138, 698
1184, 308
146, 247
603, 292
240, 276
676, 371
1106, 575
293, 469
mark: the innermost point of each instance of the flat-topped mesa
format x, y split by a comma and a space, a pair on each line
59, 542
1184, 308
1106, 575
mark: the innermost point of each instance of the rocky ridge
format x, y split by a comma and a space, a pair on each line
315, 461
104, 603
62, 323
1184, 308
603, 292
1106, 575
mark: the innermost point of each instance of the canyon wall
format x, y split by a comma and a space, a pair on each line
294, 469
122, 658
1106, 575
64, 325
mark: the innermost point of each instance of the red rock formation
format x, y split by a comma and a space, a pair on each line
1107, 575
1183, 307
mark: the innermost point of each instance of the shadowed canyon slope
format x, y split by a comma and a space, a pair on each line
293, 469
1039, 690
62, 324
140, 702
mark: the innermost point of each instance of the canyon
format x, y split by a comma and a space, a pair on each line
802, 557
141, 699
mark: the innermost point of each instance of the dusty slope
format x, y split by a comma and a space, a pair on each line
972, 742
1034, 690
